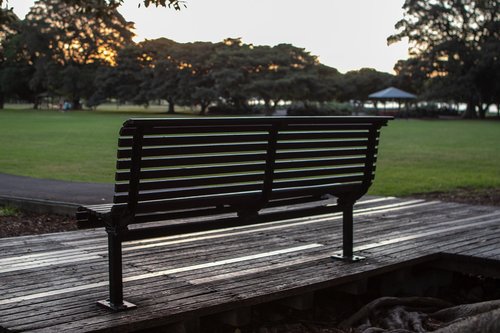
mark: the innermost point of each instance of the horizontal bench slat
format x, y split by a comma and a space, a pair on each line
193, 160
251, 121
298, 135
192, 182
304, 154
320, 144
190, 192
200, 149
308, 173
195, 139
238, 199
193, 171
294, 164
316, 182
157, 129
335, 190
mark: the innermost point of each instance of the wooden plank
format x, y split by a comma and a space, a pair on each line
435, 226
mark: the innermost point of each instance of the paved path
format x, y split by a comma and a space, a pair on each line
57, 191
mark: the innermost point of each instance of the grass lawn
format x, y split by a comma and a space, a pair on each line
415, 155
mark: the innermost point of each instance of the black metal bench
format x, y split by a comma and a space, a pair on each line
237, 171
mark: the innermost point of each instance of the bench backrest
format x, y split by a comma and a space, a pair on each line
194, 167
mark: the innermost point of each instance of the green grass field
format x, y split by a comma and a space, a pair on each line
415, 155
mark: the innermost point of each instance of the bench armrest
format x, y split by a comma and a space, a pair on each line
92, 216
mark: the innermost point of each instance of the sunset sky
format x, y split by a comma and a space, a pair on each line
345, 34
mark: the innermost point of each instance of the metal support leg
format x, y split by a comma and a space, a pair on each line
347, 234
115, 301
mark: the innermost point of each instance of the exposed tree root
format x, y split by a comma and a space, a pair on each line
424, 314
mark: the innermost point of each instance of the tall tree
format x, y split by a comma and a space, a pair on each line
357, 85
196, 84
9, 24
71, 45
127, 81
452, 40
232, 70
167, 62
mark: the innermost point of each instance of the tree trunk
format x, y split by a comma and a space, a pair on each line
267, 106
76, 104
203, 107
2, 101
470, 112
483, 110
170, 106
275, 104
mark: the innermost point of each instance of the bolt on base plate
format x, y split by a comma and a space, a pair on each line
122, 307
353, 258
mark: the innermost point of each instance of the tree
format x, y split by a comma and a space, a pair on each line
286, 72
357, 85
163, 74
9, 23
126, 81
196, 83
66, 47
452, 40
231, 72
104, 6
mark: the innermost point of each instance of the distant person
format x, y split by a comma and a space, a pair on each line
66, 106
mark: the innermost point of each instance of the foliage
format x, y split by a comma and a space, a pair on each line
106, 7
320, 109
228, 74
227, 109
8, 211
454, 47
8, 27
357, 85
62, 48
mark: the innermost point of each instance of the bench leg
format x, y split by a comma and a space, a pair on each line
115, 301
347, 235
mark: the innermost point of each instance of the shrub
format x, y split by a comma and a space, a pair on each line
226, 109
333, 109
7, 211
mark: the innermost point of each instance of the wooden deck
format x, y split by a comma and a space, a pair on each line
51, 283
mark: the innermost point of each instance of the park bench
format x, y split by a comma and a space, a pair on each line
231, 172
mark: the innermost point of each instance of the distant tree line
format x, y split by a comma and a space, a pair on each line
60, 50
83, 51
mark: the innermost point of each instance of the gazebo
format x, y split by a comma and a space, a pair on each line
392, 94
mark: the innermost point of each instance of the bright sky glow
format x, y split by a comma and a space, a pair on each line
345, 34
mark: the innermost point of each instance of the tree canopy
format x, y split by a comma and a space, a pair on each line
455, 44
229, 72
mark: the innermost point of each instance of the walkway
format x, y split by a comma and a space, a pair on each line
53, 195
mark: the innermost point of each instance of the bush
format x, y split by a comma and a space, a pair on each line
226, 109
8, 211
331, 109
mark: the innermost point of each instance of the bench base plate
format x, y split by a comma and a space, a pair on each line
122, 307
340, 256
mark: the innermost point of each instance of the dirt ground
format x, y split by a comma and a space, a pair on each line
23, 223
486, 197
